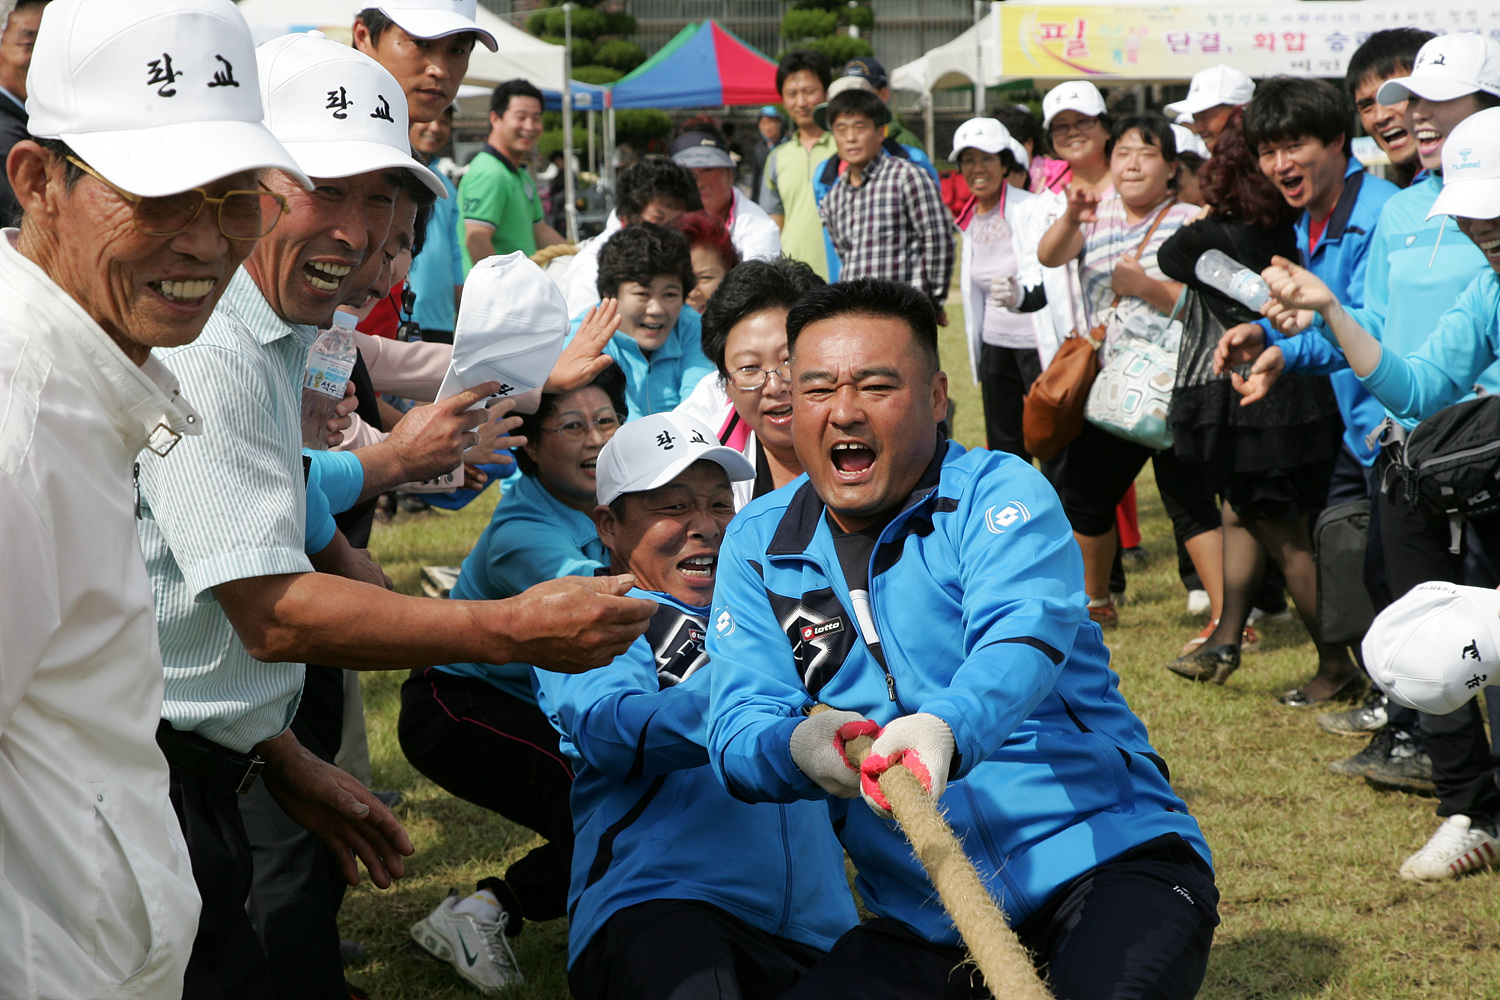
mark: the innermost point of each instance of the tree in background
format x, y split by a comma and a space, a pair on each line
603, 52
824, 25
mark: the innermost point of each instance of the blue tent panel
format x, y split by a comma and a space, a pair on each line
689, 79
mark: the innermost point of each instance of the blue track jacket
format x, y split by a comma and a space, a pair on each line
977, 599
659, 383
1340, 260
1464, 343
652, 820
1416, 269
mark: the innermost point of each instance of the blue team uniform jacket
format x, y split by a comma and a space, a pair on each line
1340, 259
652, 820
658, 383
976, 595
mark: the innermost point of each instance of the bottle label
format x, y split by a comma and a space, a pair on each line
327, 374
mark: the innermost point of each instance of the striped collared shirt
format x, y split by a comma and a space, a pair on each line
229, 505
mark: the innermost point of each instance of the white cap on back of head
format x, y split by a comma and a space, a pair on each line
1212, 87
1075, 95
1448, 67
158, 98
337, 111
1471, 169
652, 451
1436, 647
437, 18
1189, 141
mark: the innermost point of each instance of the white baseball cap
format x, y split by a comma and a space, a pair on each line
1075, 95
437, 18
1212, 87
1189, 141
1448, 67
1471, 169
158, 98
989, 136
337, 111
1434, 649
511, 328
654, 450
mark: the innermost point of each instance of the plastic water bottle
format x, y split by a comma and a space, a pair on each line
1220, 271
330, 362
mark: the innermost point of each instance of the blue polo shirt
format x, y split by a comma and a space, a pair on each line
439, 266
659, 383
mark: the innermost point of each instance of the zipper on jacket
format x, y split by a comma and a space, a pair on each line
135, 481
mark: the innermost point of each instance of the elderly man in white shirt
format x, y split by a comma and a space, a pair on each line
140, 200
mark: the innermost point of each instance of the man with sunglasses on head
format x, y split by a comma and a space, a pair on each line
140, 200
238, 607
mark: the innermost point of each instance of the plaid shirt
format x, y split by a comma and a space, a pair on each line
893, 226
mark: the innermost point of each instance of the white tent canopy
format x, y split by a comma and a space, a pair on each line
520, 54
973, 54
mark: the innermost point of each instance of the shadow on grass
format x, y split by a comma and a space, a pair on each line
1271, 965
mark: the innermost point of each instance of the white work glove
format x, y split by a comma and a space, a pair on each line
1005, 292
817, 746
923, 743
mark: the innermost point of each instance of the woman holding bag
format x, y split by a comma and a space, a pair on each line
1271, 464
1115, 239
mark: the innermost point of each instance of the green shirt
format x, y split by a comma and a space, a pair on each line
501, 195
787, 190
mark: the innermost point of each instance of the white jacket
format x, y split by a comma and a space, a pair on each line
1064, 310
96, 890
1027, 266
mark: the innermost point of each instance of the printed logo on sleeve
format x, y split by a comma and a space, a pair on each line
724, 624
1000, 518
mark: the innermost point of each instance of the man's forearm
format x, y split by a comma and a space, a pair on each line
480, 243
546, 236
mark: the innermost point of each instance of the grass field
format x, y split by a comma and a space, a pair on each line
1311, 902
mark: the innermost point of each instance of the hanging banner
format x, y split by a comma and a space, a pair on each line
1165, 42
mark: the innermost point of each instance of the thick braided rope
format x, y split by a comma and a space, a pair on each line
548, 254
1006, 965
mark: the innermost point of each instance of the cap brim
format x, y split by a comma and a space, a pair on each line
1434, 88
437, 24
995, 149
736, 466
700, 157
1090, 112
1468, 199
349, 157
1193, 106
169, 159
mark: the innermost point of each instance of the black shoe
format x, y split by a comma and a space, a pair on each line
1377, 750
353, 953
1210, 665
1368, 718
1350, 690
1407, 768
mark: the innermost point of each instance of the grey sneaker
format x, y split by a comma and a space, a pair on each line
1407, 768
476, 948
1365, 720
1377, 750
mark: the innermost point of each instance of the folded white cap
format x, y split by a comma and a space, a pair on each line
1212, 87
1436, 647
1075, 95
1189, 141
654, 450
1471, 169
158, 98
511, 328
337, 111
437, 18
1446, 68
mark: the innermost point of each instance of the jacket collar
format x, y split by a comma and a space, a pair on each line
247, 302
1338, 221
145, 400
794, 534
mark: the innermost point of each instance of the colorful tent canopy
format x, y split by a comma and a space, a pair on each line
703, 66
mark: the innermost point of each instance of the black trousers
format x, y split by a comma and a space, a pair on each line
1098, 468
297, 890
685, 949
501, 753
1137, 927
1416, 549
227, 962
1005, 376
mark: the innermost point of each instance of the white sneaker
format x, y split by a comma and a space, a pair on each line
476, 946
1198, 603
1456, 848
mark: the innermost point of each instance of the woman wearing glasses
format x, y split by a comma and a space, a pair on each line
474, 729
748, 400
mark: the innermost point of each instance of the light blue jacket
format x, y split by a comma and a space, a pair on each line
531, 538
1416, 269
334, 482
1341, 259
670, 375
976, 592
1464, 343
651, 819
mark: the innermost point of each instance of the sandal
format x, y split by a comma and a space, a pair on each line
1351, 690
1209, 665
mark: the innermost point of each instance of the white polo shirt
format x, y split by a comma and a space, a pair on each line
96, 890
